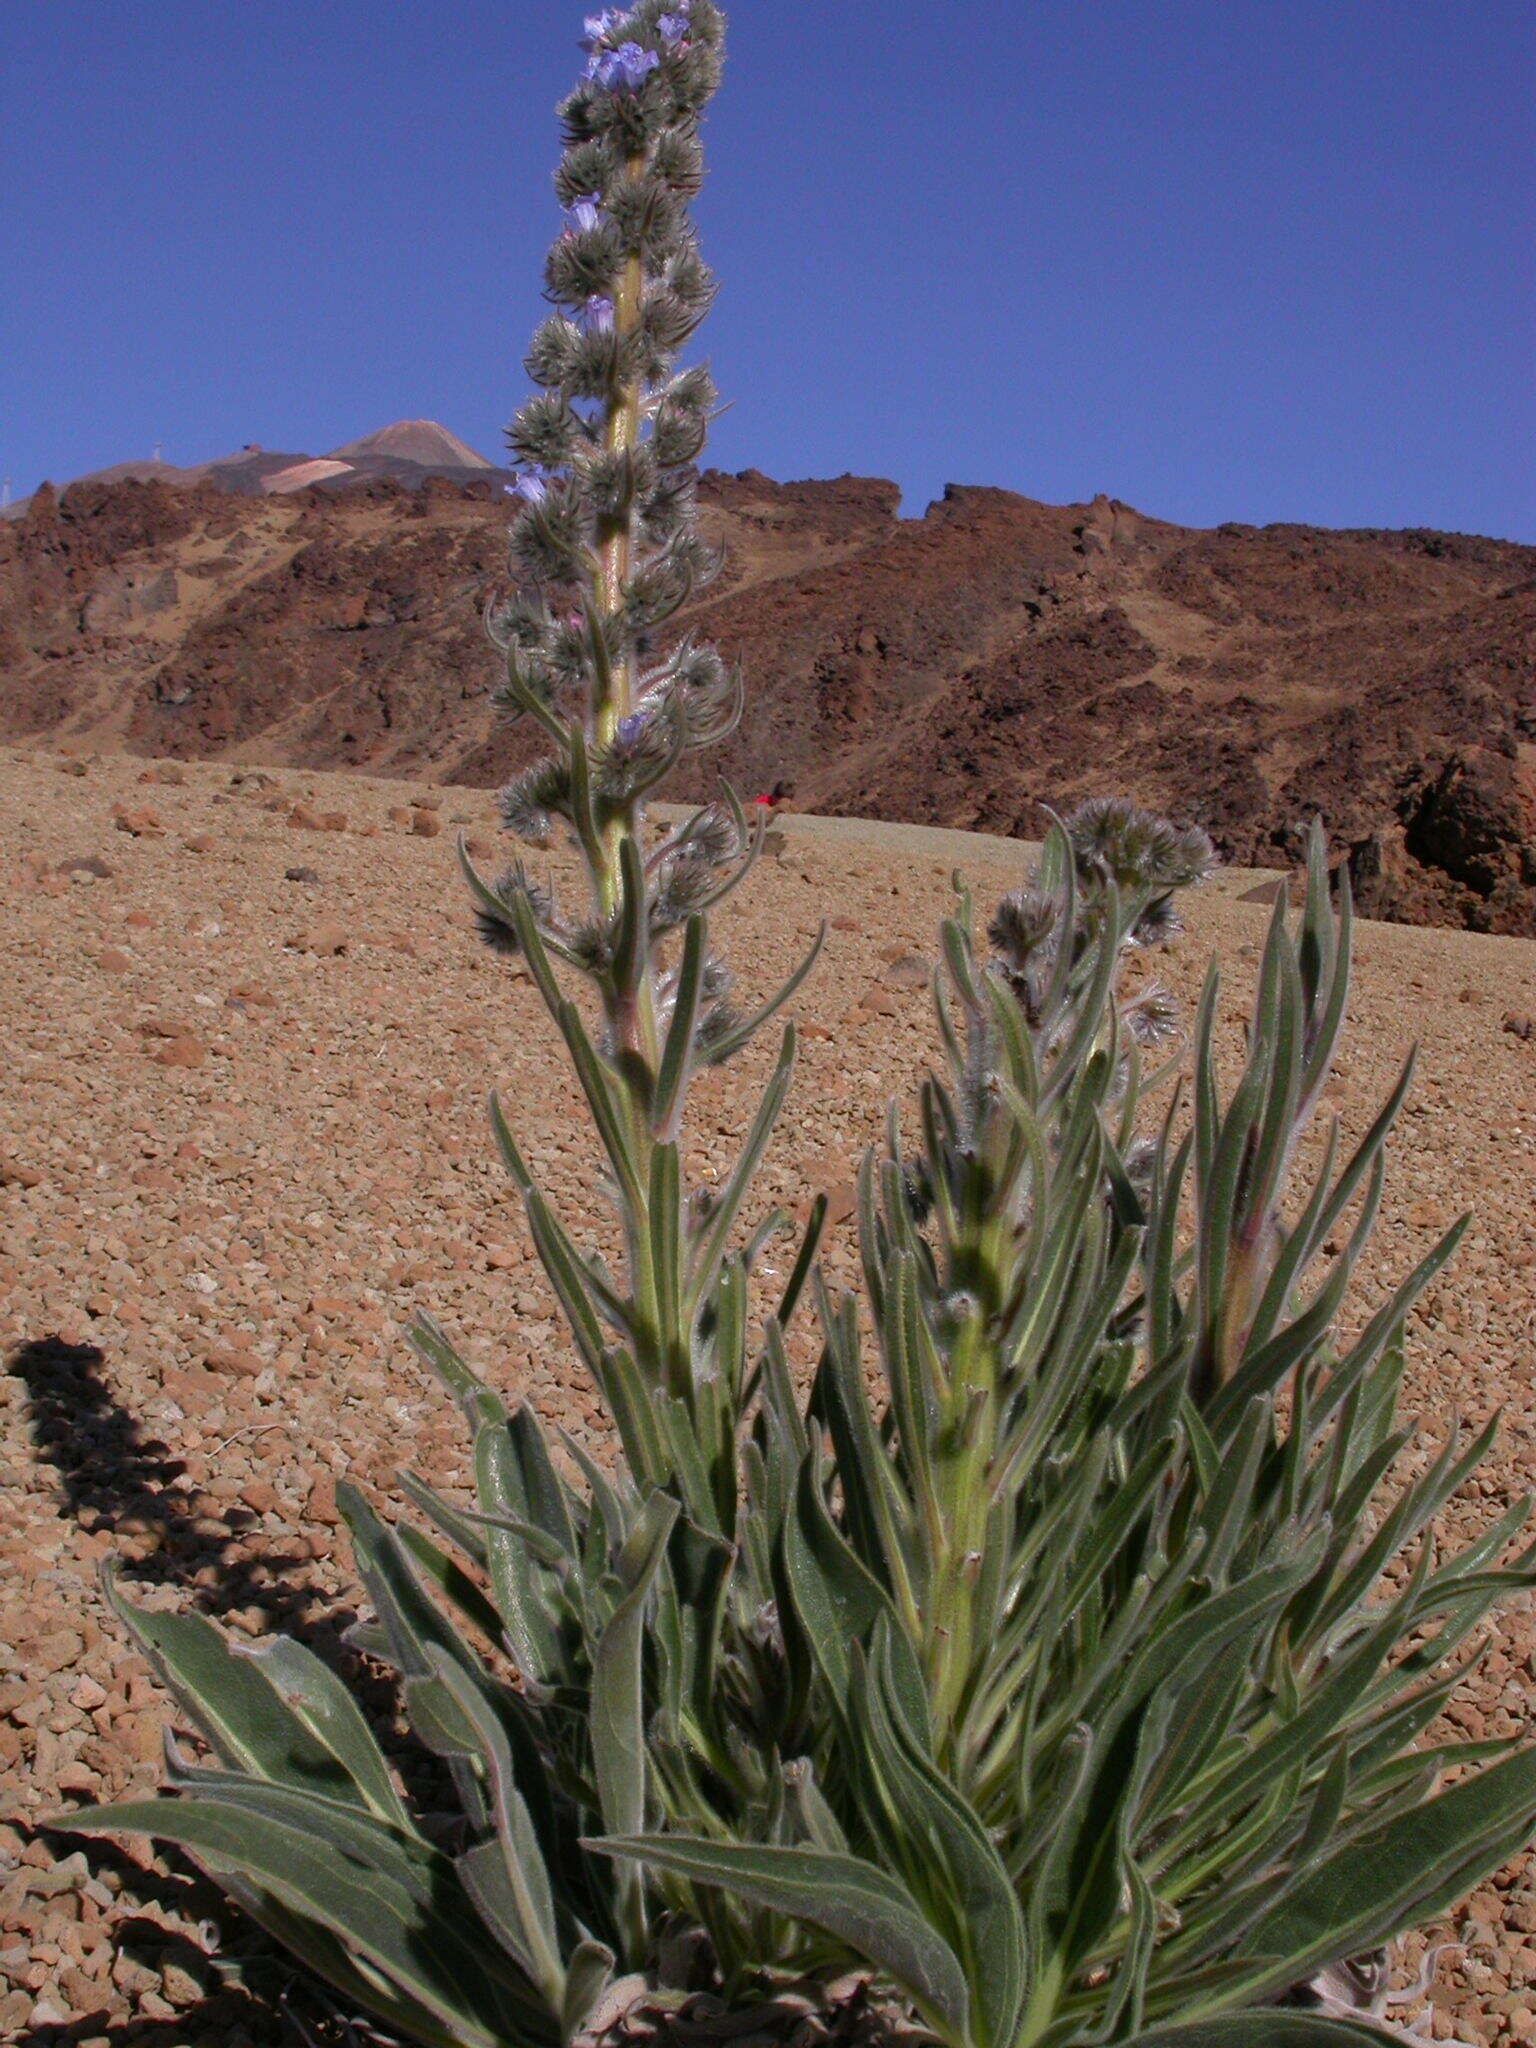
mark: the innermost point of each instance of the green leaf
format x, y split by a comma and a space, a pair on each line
676, 1059
846, 1897
837, 1601
506, 1876
617, 1708
328, 1710
711, 1247
1262, 2030
1394, 1876
236, 1704
521, 1582
587, 1976
948, 1851
733, 1041
399, 1909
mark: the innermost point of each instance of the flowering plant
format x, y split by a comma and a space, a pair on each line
1063, 1666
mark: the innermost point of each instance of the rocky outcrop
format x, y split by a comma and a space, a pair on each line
964, 667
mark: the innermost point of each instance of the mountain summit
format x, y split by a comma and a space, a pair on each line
423, 442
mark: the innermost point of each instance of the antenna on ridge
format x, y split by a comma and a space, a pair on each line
5, 494
158, 446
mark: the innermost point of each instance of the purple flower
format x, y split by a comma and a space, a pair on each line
532, 486
626, 68
597, 316
598, 27
630, 729
584, 216
674, 28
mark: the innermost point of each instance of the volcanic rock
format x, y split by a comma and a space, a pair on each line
961, 668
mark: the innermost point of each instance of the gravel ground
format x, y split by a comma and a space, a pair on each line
248, 1038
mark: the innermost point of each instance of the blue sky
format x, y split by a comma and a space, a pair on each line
1265, 260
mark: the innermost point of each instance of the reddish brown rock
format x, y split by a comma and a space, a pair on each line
327, 938
185, 1050
138, 823
961, 668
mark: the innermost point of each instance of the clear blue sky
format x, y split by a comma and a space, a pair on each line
1259, 260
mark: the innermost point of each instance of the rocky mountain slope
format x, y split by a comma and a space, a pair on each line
959, 668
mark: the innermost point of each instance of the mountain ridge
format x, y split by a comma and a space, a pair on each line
962, 667
408, 450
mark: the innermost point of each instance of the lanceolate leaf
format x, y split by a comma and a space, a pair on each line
240, 1708
617, 1727
845, 1896
1264, 2030
323, 1703
950, 1861
405, 1913
1397, 1875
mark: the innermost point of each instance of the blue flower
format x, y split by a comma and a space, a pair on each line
597, 315
631, 728
674, 28
584, 215
624, 69
532, 486
598, 27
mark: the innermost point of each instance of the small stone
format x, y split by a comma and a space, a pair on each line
908, 970
1519, 1026
57, 1650
90, 864
200, 842
300, 875
426, 824
321, 1504
333, 821
326, 939
182, 1051
238, 1364
139, 919
138, 824
114, 961
303, 819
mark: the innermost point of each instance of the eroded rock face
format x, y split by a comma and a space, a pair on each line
959, 668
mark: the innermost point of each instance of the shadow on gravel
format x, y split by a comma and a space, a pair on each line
115, 1476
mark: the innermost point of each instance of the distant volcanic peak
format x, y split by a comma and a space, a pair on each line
420, 441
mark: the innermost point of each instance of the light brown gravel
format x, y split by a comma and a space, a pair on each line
243, 1138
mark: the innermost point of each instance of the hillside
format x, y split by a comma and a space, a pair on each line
958, 668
